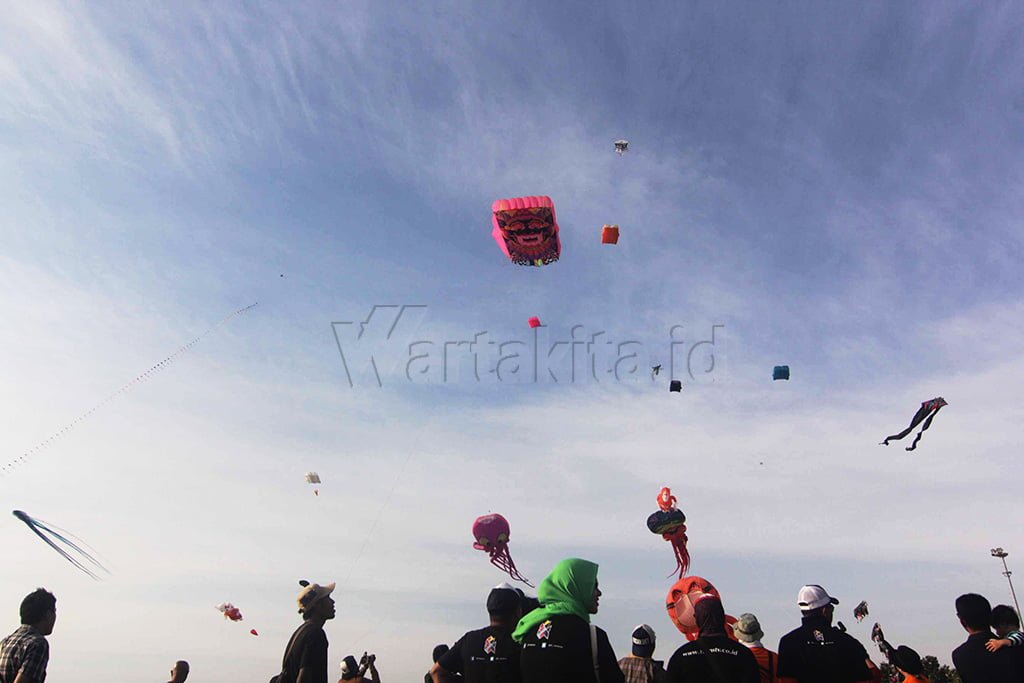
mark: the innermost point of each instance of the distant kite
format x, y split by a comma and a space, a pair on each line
928, 409
610, 234
621, 147
49, 533
780, 372
860, 611
675, 385
313, 478
230, 611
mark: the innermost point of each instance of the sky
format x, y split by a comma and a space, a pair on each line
837, 188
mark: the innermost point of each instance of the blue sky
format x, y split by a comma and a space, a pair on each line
840, 188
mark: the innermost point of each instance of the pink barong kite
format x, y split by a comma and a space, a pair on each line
526, 230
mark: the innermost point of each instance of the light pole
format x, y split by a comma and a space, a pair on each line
1001, 554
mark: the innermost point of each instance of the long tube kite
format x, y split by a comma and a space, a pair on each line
139, 378
927, 413
50, 534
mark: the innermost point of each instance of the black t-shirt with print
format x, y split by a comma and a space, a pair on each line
820, 653
488, 655
730, 662
309, 652
558, 651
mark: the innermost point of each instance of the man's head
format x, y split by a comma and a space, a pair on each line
315, 601
643, 641
179, 672
39, 610
814, 601
1004, 620
504, 604
975, 612
748, 629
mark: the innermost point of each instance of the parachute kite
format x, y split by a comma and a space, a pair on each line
313, 478
682, 596
492, 533
50, 534
675, 385
610, 234
621, 147
253, 631
860, 611
780, 372
230, 611
526, 230
670, 523
928, 409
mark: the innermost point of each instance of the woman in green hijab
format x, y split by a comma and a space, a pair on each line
559, 644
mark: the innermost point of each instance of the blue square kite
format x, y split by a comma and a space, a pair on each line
780, 372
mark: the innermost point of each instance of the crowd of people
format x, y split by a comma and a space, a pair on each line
550, 639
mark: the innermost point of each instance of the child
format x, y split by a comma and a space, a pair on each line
1007, 627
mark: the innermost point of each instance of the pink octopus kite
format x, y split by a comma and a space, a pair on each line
491, 533
670, 523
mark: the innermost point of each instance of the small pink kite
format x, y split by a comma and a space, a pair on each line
491, 533
230, 611
534, 322
526, 230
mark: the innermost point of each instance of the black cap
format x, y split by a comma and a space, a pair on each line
908, 660
503, 601
643, 641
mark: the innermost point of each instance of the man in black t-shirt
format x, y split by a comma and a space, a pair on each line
817, 652
487, 655
305, 658
713, 657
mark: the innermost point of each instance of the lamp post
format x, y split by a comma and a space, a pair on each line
1001, 554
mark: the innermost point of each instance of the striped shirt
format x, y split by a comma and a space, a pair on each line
25, 651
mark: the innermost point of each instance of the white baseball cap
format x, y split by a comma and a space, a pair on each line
813, 596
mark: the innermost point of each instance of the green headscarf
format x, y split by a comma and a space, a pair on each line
568, 589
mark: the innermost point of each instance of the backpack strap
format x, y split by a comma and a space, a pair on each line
593, 653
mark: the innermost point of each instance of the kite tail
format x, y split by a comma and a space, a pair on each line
504, 562
927, 424
71, 544
35, 527
921, 413
678, 540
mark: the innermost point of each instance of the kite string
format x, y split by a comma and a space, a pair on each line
137, 379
